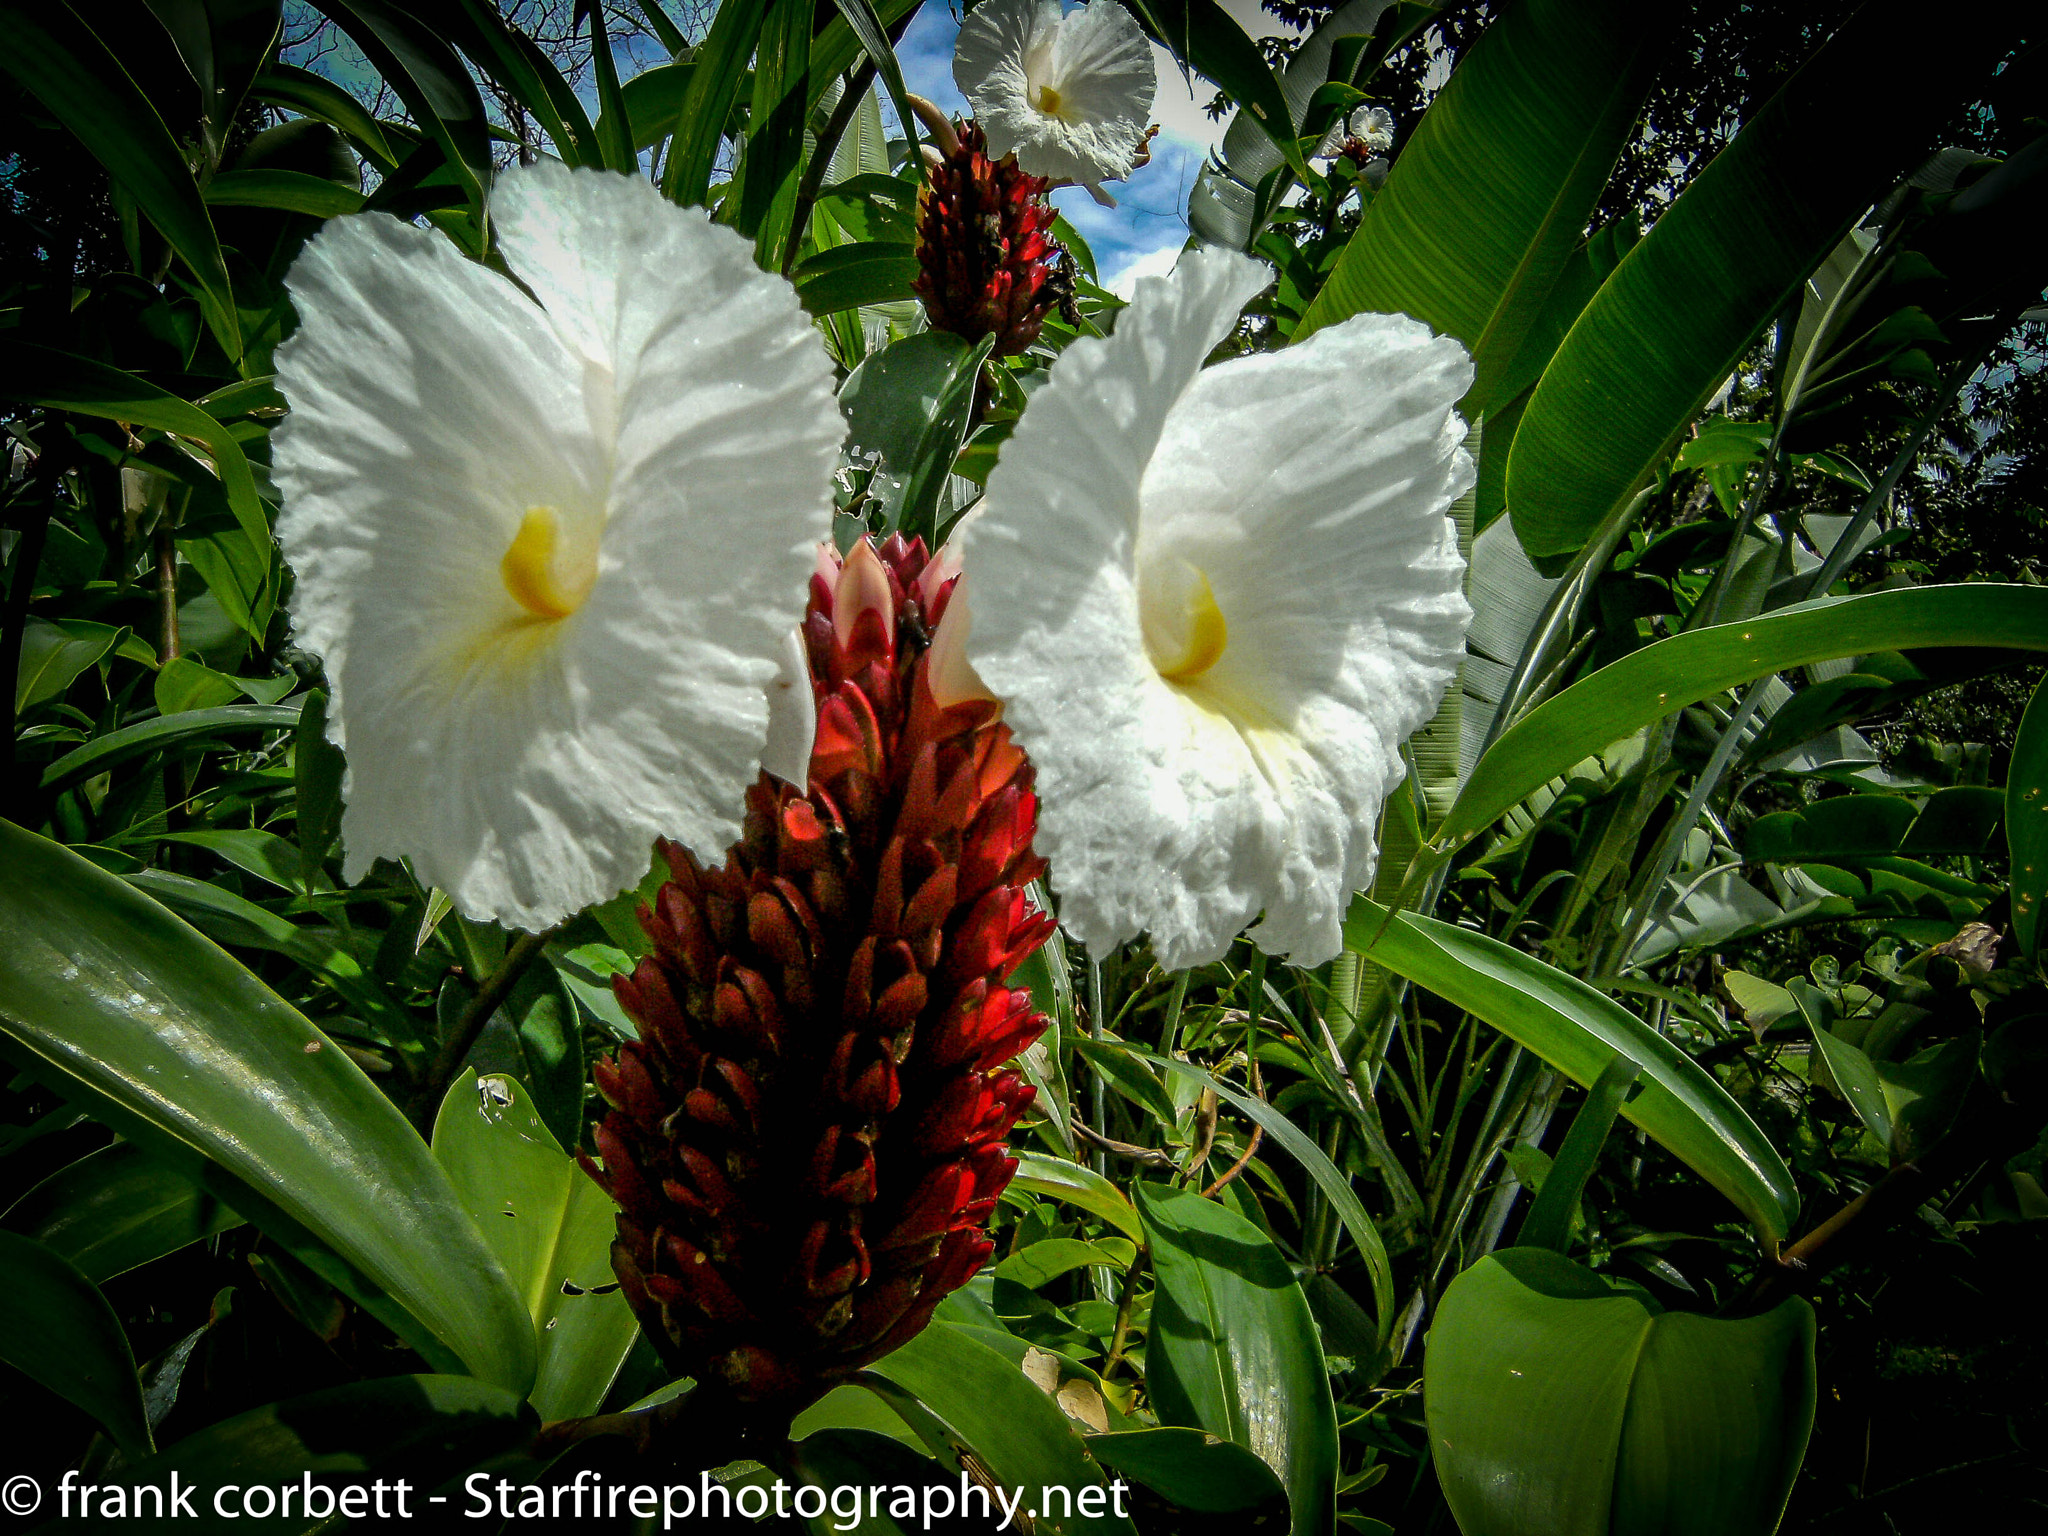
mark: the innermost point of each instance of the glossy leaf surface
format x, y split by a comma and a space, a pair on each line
104, 985
1559, 1405
1234, 1350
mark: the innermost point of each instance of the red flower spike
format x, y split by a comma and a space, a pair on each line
985, 256
808, 1133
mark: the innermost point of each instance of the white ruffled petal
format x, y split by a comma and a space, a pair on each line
1307, 488
668, 394
989, 64
1069, 97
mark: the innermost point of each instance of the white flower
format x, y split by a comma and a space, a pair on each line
1070, 97
1215, 602
551, 553
1373, 127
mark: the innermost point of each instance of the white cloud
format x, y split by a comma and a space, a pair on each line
1151, 264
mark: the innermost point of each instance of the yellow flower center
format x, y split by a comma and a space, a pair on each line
547, 575
1185, 634
1047, 100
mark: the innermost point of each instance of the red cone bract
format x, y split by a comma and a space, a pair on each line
808, 1135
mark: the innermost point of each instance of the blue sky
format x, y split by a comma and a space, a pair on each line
1151, 216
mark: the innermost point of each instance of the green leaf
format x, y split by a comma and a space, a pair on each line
185, 685
59, 58
1316, 1164
1549, 1222
1058, 1179
714, 84
104, 986
117, 1209
317, 768
523, 71
911, 403
45, 376
263, 854
417, 62
614, 133
1660, 679
1044, 1262
1561, 1406
551, 1228
864, 272
1728, 256
1189, 1467
1233, 1348
293, 191
102, 752
57, 1329
427, 1429
868, 27
1018, 1433
311, 95
1579, 1031
652, 99
1484, 206
543, 1014
2026, 822
54, 656
1856, 1075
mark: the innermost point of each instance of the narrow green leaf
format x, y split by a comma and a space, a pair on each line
117, 1209
310, 95
1484, 207
1316, 1164
56, 1328
1580, 1031
292, 191
317, 768
866, 24
1659, 679
864, 272
1726, 258
52, 52
720, 64
102, 752
614, 133
1549, 1222
771, 165
103, 985
417, 62
1233, 1348
523, 71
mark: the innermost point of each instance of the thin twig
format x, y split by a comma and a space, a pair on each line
493, 991
1250, 1149
1151, 1157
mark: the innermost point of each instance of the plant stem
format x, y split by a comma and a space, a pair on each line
493, 991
